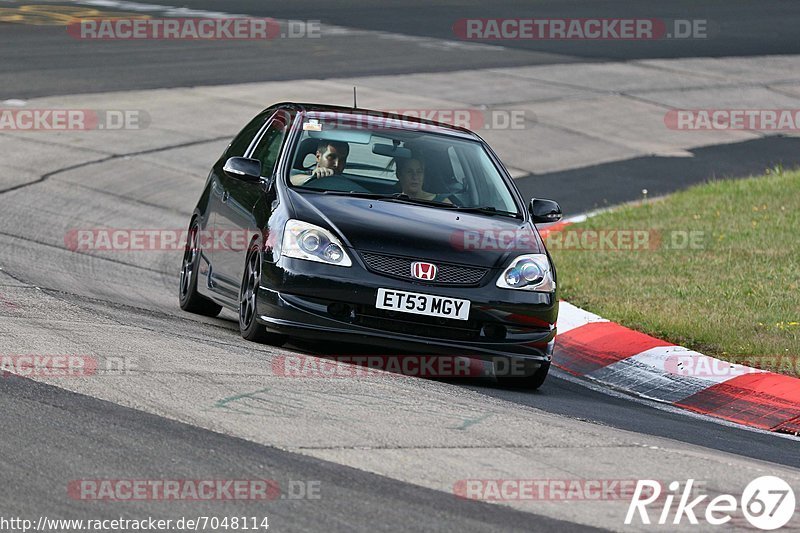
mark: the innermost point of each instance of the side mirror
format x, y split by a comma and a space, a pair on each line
544, 211
242, 168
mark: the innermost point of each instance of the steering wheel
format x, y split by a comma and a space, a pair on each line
453, 192
456, 200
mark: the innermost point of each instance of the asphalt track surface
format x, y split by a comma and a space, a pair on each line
124, 439
52, 435
394, 37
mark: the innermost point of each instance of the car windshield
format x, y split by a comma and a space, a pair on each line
379, 158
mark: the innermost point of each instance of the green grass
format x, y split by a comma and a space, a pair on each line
737, 295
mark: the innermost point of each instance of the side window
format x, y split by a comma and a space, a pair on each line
242, 141
269, 147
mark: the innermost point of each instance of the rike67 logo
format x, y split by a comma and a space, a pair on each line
768, 503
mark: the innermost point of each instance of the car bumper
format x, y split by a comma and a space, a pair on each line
321, 302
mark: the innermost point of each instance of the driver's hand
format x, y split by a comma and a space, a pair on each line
320, 172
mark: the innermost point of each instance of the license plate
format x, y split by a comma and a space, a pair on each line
422, 304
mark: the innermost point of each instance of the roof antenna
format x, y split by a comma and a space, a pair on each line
355, 101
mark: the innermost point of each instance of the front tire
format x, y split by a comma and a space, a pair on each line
188, 297
248, 303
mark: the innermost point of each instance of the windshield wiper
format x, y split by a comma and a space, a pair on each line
489, 210
403, 197
358, 194
398, 196
371, 195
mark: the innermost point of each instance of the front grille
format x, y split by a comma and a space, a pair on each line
400, 267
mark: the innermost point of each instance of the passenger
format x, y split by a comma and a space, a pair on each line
411, 175
331, 159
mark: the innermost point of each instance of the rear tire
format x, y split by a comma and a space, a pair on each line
188, 297
248, 303
529, 382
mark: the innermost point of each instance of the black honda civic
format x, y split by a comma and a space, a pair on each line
344, 224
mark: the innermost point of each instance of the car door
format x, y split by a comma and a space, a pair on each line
236, 220
218, 195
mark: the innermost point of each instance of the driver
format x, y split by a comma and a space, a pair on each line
331, 159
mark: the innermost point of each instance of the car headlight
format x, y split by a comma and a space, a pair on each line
312, 243
530, 272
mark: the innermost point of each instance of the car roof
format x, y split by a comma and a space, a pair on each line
406, 122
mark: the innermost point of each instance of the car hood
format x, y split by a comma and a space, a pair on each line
426, 233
